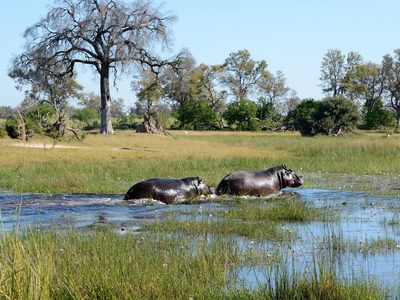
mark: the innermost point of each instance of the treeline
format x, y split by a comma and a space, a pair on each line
239, 94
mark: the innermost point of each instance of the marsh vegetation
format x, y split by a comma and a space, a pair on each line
320, 242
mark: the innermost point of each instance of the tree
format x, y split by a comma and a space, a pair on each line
273, 88
328, 116
197, 115
391, 67
368, 84
379, 116
302, 117
148, 90
241, 73
6, 112
177, 82
207, 78
242, 114
106, 35
337, 71
334, 114
45, 86
332, 71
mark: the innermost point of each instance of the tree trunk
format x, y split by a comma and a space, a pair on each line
105, 108
398, 117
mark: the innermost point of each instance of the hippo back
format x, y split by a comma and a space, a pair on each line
167, 190
258, 183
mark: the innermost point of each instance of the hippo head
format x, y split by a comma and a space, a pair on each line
290, 178
201, 186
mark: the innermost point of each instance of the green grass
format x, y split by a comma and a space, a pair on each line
288, 209
251, 219
111, 164
104, 265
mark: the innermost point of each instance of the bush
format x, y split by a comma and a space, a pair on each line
11, 127
302, 117
327, 116
89, 116
3, 132
379, 117
197, 115
242, 114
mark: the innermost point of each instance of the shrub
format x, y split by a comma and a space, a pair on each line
11, 127
242, 114
89, 116
197, 115
379, 117
302, 117
327, 116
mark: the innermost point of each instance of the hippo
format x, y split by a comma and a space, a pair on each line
168, 190
258, 183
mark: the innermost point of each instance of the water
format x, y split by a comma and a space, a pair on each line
363, 217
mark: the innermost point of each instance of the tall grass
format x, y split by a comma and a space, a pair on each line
111, 164
104, 265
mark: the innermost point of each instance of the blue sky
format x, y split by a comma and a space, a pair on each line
291, 35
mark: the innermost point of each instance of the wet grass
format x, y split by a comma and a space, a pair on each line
249, 230
104, 265
288, 209
251, 219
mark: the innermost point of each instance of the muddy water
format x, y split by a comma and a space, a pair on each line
361, 217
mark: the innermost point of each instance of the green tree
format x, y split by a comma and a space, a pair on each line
207, 78
379, 116
368, 84
337, 71
242, 114
241, 73
328, 116
46, 87
197, 115
6, 112
148, 90
302, 117
334, 114
391, 68
273, 88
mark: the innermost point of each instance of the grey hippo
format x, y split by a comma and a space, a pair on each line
258, 183
168, 190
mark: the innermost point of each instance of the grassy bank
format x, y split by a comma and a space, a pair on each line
111, 164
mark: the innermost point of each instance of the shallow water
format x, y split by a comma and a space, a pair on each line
361, 217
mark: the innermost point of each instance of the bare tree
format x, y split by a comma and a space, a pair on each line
108, 35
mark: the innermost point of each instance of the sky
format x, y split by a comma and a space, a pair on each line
290, 35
